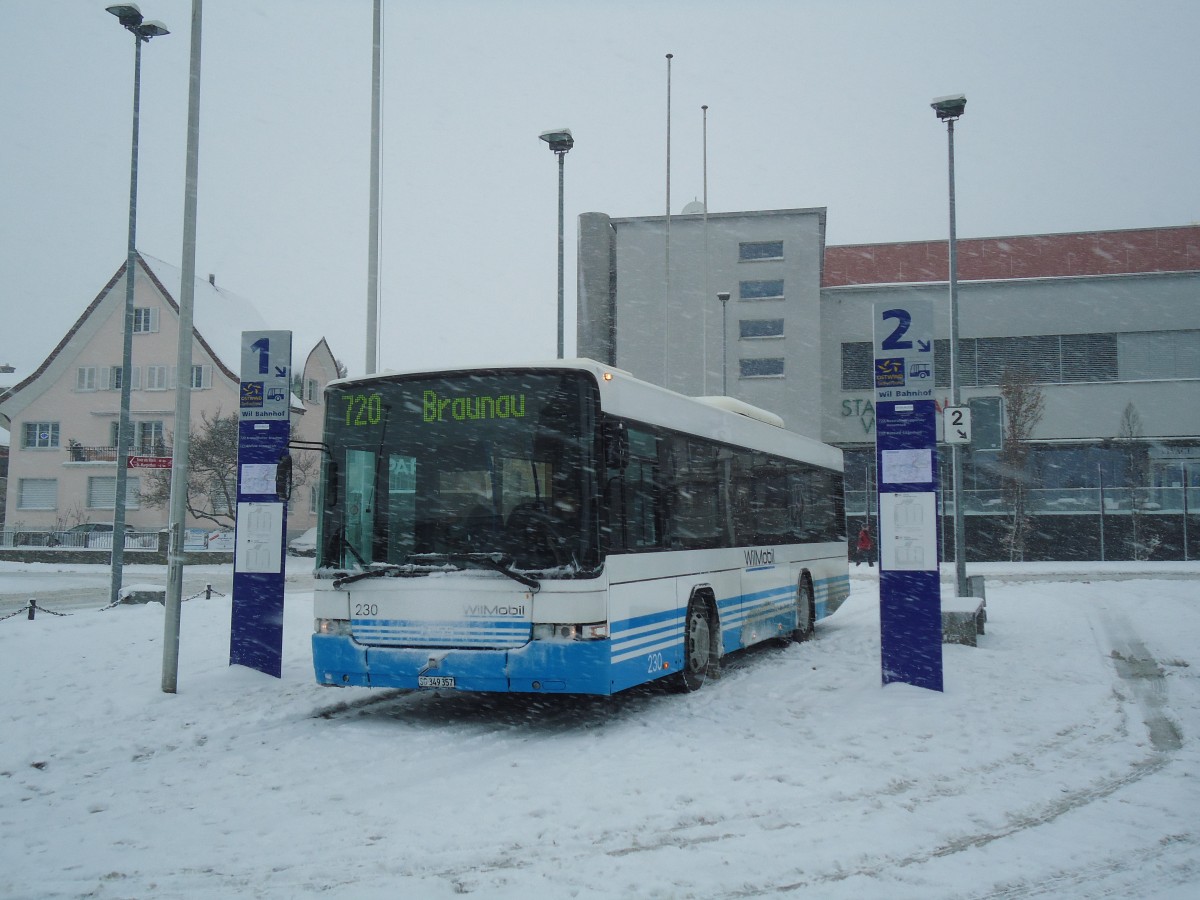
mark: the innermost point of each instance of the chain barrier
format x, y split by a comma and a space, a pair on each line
31, 609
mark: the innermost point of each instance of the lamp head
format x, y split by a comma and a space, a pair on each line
147, 30
950, 107
559, 139
128, 13
723, 296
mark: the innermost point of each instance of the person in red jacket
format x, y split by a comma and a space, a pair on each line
865, 548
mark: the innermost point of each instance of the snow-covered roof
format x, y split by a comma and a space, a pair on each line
218, 316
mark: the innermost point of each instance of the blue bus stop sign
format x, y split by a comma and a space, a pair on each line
910, 615
256, 628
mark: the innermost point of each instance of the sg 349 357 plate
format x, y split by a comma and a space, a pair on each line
435, 681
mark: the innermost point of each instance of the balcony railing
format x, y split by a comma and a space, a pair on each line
78, 453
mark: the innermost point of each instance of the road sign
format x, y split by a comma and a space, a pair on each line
266, 375
956, 424
149, 462
904, 351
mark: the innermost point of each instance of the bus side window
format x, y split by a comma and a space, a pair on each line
643, 494
695, 501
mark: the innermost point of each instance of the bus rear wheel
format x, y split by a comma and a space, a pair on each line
805, 612
699, 654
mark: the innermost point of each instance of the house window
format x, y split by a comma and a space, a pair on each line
761, 328
312, 391
750, 251
762, 368
40, 435
150, 436
85, 378
201, 377
37, 493
761, 290
156, 378
145, 319
102, 492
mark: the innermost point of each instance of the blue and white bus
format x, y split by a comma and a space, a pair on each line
563, 527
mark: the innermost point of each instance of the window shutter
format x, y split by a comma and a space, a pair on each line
38, 493
206, 376
135, 383
154, 318
173, 378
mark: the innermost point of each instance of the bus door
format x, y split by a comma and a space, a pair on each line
761, 518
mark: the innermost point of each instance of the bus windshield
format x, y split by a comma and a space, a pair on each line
429, 470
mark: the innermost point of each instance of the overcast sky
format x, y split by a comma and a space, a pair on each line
1081, 115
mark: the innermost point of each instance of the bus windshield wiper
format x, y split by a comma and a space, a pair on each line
497, 562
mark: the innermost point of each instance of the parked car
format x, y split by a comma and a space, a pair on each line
80, 535
305, 545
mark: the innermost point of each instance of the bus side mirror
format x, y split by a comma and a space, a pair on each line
283, 478
616, 446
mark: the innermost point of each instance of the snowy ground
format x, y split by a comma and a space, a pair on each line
1062, 761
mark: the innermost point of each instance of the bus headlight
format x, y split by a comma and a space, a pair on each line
332, 626
595, 631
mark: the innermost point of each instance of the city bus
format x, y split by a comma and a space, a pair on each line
563, 528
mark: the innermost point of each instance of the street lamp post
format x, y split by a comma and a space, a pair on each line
560, 142
723, 296
131, 18
948, 110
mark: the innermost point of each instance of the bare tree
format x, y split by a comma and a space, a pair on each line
1024, 405
212, 472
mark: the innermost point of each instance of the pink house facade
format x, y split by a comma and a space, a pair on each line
63, 418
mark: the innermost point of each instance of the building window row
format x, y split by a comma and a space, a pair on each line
752, 329
770, 289
753, 251
770, 367
150, 378
1048, 359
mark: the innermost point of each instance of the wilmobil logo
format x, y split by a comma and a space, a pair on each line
760, 557
480, 611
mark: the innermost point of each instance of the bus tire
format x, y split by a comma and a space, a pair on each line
699, 646
805, 611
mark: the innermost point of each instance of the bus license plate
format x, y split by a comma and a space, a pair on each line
446, 681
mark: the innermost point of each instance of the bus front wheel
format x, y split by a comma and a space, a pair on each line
699, 654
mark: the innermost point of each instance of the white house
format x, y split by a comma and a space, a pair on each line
63, 418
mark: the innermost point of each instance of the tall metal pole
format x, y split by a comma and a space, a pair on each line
724, 298
960, 544
123, 427
372, 363
667, 298
561, 278
183, 366
704, 305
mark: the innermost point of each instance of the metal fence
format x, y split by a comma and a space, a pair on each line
76, 539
